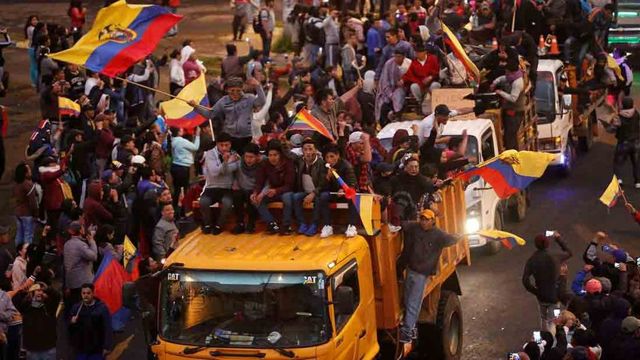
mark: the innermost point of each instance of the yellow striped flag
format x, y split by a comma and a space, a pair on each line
129, 251
364, 206
611, 193
458, 50
68, 107
507, 239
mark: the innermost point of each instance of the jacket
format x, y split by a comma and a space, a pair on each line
611, 326
182, 150
92, 333
345, 170
53, 196
7, 311
104, 144
544, 267
218, 174
94, 212
418, 72
245, 176
236, 115
38, 318
26, 199
280, 177
79, 256
18, 273
422, 248
417, 186
164, 235
629, 129
316, 170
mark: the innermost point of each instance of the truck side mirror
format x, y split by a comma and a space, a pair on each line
344, 300
129, 295
566, 101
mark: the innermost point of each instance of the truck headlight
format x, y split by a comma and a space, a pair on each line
551, 143
472, 225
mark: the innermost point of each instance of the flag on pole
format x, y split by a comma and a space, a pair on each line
68, 107
507, 239
362, 202
108, 284
129, 251
177, 113
610, 195
459, 52
349, 192
306, 122
121, 35
511, 171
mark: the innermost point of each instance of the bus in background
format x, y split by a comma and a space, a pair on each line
624, 32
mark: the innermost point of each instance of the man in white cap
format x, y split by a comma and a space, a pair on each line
358, 154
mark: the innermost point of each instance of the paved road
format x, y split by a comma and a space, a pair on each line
499, 315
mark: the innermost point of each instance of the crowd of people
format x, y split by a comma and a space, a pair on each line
116, 171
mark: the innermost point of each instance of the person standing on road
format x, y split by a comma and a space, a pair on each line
90, 327
268, 22
627, 130
165, 234
423, 244
77, 14
79, 255
544, 268
39, 321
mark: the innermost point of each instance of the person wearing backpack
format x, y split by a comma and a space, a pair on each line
264, 24
314, 36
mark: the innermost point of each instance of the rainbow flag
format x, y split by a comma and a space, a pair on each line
458, 50
122, 35
177, 113
108, 283
610, 195
511, 171
305, 121
68, 107
508, 240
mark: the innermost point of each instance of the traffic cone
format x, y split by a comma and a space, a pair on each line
554, 46
541, 44
494, 43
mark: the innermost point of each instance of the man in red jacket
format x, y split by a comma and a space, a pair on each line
423, 73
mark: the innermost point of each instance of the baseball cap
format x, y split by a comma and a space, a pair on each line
138, 159
630, 324
355, 137
442, 110
428, 214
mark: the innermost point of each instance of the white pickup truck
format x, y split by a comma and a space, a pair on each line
555, 118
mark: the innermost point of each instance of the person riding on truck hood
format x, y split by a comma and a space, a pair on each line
423, 244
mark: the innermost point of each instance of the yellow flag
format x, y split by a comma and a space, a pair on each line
129, 251
610, 195
364, 205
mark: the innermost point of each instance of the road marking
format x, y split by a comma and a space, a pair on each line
120, 348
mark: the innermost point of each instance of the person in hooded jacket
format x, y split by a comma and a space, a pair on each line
94, 211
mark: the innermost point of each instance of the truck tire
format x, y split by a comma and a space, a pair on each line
449, 321
586, 141
493, 247
518, 206
569, 159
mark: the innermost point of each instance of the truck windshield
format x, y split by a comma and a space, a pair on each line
244, 309
545, 97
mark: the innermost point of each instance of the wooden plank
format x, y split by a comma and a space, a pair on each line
453, 98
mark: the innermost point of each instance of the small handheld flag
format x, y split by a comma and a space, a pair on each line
362, 202
68, 107
511, 171
121, 35
304, 121
508, 240
349, 192
178, 113
610, 195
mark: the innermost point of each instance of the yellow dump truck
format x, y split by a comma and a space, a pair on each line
298, 297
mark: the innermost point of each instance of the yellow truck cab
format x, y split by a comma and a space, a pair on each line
297, 297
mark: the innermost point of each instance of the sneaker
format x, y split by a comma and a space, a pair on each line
311, 230
286, 230
239, 229
351, 231
206, 229
394, 229
327, 231
302, 229
405, 339
414, 334
216, 230
273, 228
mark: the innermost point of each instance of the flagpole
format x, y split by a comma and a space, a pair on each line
513, 18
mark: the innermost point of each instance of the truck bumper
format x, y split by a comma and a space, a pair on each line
558, 159
476, 241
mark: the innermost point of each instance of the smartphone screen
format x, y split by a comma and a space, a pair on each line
638, 261
617, 265
549, 233
536, 337
556, 312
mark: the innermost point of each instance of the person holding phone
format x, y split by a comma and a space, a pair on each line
80, 251
541, 276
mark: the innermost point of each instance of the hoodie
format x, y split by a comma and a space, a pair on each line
218, 174
94, 212
53, 193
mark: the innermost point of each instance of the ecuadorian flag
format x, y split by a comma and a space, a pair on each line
508, 240
68, 107
305, 121
177, 113
121, 36
610, 195
511, 171
459, 52
108, 283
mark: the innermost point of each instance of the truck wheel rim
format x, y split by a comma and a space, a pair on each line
454, 333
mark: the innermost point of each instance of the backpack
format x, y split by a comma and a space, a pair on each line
257, 22
314, 34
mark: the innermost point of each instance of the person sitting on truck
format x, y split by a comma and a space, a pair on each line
423, 244
244, 182
600, 19
627, 130
438, 119
275, 178
495, 62
391, 93
411, 182
527, 48
422, 75
332, 191
310, 179
219, 165
510, 88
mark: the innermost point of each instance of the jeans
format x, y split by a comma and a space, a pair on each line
180, 175
414, 286
265, 214
33, 67
332, 54
512, 121
24, 229
42, 355
325, 211
298, 207
311, 53
242, 203
266, 37
623, 151
211, 196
